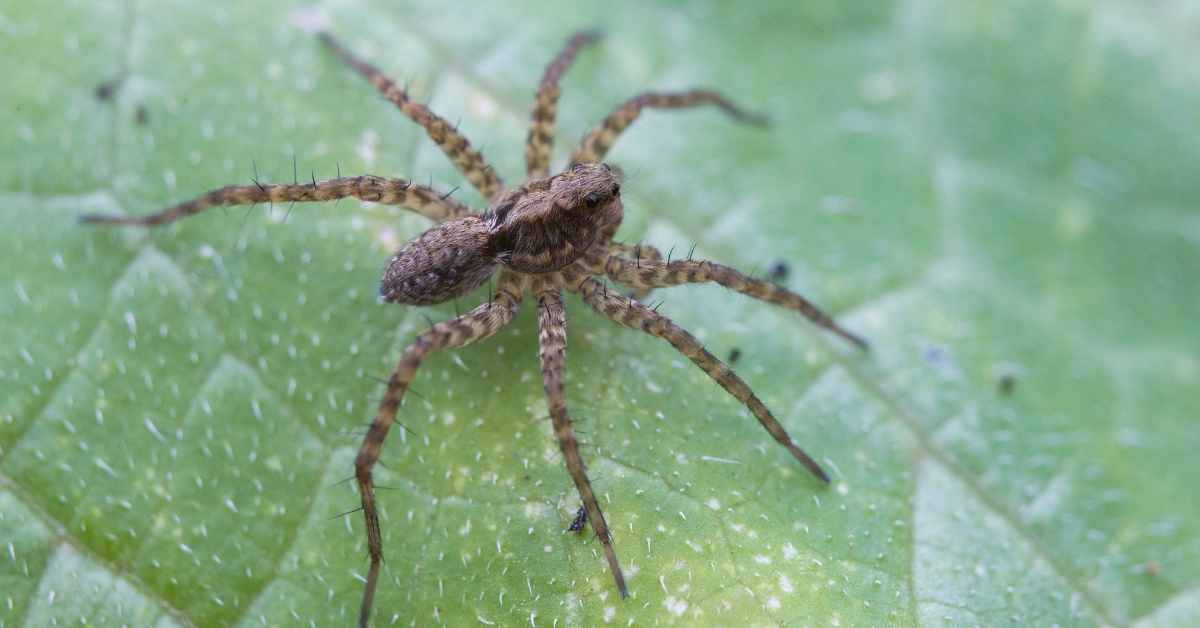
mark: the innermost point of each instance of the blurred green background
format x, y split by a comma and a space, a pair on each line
1001, 196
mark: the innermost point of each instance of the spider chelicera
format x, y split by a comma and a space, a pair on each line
551, 233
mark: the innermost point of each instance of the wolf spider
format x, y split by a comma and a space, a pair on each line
549, 234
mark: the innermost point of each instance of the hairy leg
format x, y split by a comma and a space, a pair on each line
552, 349
596, 143
637, 253
634, 315
423, 200
541, 124
657, 274
468, 160
479, 323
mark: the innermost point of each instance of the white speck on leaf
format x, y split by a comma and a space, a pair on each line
368, 142
675, 606
785, 584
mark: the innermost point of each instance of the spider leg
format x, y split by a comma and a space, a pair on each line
658, 274
468, 160
479, 323
634, 315
597, 142
638, 253
552, 344
425, 201
541, 123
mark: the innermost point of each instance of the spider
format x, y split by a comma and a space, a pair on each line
549, 234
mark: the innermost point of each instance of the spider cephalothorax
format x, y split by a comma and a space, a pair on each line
548, 223
551, 233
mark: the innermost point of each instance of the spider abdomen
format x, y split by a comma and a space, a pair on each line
447, 261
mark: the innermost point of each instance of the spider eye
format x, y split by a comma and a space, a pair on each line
591, 199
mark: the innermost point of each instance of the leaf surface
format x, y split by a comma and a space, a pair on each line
1001, 196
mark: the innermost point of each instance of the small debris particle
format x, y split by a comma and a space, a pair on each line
1007, 383
734, 354
141, 116
107, 89
778, 271
579, 521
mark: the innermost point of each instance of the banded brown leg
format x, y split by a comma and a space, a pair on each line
468, 160
596, 143
479, 323
423, 200
658, 274
630, 313
541, 123
552, 350
637, 253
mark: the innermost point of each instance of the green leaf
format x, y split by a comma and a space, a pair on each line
1001, 196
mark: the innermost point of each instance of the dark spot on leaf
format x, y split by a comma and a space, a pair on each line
579, 521
106, 90
1007, 383
778, 271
